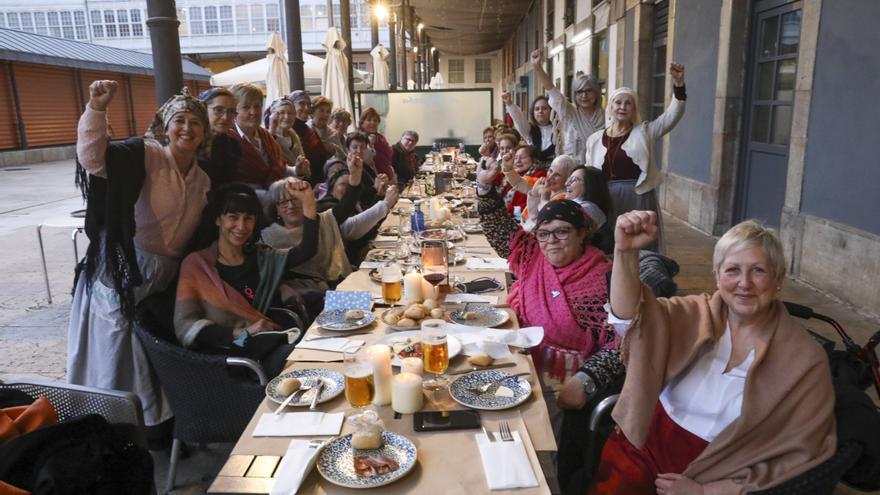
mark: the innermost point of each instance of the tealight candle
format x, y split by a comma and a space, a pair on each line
406, 393
412, 365
380, 357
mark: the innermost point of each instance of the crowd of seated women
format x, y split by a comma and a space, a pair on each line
251, 209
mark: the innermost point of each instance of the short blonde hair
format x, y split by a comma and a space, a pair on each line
321, 100
246, 91
751, 233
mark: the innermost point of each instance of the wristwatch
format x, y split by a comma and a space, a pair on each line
589, 384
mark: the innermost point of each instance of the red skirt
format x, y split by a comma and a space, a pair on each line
624, 469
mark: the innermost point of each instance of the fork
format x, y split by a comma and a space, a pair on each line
504, 428
298, 393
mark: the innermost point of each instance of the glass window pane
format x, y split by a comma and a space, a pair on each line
785, 78
660, 60
27, 22
122, 15
761, 124
791, 33
781, 124
195, 13
769, 30
12, 18
80, 24
242, 21
96, 17
765, 81
109, 17
111, 30
183, 17
658, 95
97, 31
135, 15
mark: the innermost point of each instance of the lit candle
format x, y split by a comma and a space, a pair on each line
412, 365
412, 287
380, 357
406, 395
428, 290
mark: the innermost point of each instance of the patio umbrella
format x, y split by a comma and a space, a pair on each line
380, 67
277, 77
334, 83
437, 81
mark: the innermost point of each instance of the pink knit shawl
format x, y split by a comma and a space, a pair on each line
568, 302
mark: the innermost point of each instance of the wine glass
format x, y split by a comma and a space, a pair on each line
435, 260
435, 353
358, 373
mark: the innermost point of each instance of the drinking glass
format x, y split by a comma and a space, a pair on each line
392, 283
435, 353
435, 260
358, 372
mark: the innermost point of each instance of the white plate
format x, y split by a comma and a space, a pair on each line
336, 461
486, 316
414, 336
334, 384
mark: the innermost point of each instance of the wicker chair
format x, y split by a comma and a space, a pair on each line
209, 404
818, 481
71, 401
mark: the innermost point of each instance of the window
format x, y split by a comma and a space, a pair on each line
79, 20
54, 24
124, 26
305, 18
212, 25
360, 66
273, 23
568, 16
242, 19
321, 17
183, 27
196, 25
258, 20
41, 27
137, 27
110, 23
97, 25
551, 22
27, 22
456, 71
226, 19
483, 70
12, 18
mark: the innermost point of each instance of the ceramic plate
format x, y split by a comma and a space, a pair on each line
334, 320
436, 234
485, 316
388, 230
376, 275
412, 337
490, 401
336, 461
473, 228
381, 255
334, 384
417, 248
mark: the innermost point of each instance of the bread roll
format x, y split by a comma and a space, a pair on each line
354, 314
392, 318
436, 313
366, 440
288, 386
470, 315
430, 303
406, 322
480, 359
414, 313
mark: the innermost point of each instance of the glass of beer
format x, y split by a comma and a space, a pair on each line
435, 353
358, 374
392, 283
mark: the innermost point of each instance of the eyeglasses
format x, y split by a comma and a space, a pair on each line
560, 234
287, 203
219, 111
572, 179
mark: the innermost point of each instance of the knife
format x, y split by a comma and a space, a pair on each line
319, 389
493, 367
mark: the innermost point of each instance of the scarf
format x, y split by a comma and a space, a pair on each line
329, 264
204, 299
110, 209
174, 105
568, 302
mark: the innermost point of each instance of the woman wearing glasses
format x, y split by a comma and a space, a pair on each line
221, 159
563, 278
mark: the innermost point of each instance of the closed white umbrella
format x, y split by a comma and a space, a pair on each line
334, 83
380, 56
277, 76
437, 81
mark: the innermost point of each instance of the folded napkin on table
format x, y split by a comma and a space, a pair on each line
506, 464
348, 299
494, 341
370, 264
295, 466
385, 239
522, 337
486, 264
463, 298
299, 424
336, 344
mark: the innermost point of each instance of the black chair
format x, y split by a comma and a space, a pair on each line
71, 401
209, 403
820, 480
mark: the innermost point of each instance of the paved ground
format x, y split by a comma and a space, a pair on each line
33, 333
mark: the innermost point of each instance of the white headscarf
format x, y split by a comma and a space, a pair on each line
609, 118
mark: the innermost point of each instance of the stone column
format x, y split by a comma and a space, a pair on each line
165, 42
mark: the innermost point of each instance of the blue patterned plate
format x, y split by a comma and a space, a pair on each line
483, 316
334, 320
336, 461
334, 384
459, 390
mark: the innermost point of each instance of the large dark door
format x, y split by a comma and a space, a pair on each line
776, 32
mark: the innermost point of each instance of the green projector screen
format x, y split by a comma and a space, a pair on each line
435, 114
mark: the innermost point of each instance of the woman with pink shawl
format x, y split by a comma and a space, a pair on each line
561, 284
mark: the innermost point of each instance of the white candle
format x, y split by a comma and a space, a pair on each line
428, 290
412, 287
412, 365
406, 395
380, 357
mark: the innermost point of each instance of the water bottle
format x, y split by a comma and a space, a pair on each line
517, 213
461, 149
435, 148
417, 218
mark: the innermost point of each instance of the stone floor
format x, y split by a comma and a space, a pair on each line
33, 333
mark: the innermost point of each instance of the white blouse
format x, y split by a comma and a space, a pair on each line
703, 399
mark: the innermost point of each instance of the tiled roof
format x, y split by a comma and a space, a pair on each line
40, 49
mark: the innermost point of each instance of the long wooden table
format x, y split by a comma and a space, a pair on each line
448, 462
